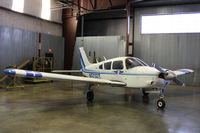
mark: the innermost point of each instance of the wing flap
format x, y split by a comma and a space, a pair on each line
26, 73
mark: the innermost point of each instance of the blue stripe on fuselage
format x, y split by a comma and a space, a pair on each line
138, 74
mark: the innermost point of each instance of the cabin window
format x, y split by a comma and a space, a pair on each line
130, 63
118, 65
101, 66
107, 66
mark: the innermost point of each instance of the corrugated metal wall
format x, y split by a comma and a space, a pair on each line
105, 24
16, 46
34, 7
108, 46
172, 51
20, 21
57, 45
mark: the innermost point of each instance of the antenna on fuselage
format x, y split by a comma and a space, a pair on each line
104, 58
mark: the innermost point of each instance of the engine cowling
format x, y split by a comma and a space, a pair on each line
169, 76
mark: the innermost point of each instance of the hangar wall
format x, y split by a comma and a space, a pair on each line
105, 24
31, 18
107, 27
56, 44
173, 51
19, 34
16, 46
115, 47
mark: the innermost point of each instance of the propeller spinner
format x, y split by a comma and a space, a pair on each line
168, 75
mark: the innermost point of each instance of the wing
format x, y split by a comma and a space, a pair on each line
26, 73
182, 71
66, 71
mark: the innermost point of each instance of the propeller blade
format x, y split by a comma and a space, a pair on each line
178, 82
159, 68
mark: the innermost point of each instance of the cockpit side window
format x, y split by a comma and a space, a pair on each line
101, 66
107, 66
130, 63
118, 65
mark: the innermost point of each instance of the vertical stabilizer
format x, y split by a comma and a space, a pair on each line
83, 58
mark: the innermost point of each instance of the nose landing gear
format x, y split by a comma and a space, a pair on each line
161, 104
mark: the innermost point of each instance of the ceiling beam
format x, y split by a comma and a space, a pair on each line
91, 4
110, 2
133, 1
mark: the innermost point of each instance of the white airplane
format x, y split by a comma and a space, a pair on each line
127, 72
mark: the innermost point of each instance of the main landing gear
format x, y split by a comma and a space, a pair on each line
90, 94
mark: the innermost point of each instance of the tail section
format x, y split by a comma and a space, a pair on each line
83, 58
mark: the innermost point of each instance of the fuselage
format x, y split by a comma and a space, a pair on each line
132, 71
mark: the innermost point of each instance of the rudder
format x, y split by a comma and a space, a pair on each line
83, 58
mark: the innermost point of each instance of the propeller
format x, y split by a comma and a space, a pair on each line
159, 68
168, 75
178, 82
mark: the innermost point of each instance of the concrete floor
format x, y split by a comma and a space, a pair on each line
61, 107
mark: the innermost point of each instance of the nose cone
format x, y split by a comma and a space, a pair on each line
10, 71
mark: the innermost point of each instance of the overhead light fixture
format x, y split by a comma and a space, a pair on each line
46, 6
18, 5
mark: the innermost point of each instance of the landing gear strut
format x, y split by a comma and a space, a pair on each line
144, 92
90, 94
161, 103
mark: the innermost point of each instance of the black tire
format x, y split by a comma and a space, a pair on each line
144, 93
90, 96
161, 104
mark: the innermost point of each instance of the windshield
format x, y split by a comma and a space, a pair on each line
142, 62
131, 62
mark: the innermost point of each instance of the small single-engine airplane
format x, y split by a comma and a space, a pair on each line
128, 72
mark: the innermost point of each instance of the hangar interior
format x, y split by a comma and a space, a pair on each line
45, 35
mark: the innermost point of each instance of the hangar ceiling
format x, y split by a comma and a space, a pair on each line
88, 6
148, 3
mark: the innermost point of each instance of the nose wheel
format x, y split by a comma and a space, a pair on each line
161, 104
